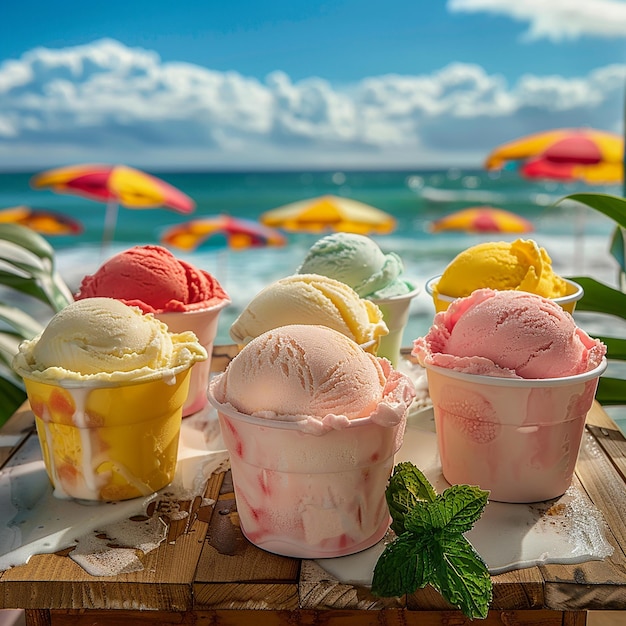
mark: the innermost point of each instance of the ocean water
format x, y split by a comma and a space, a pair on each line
577, 238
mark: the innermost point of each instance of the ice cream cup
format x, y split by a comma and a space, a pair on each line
203, 323
567, 302
112, 441
309, 496
518, 438
395, 310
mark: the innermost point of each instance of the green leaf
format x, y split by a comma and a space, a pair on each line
30, 266
27, 239
455, 511
407, 486
27, 286
611, 391
618, 246
462, 577
13, 396
403, 567
62, 296
22, 322
600, 298
616, 348
611, 206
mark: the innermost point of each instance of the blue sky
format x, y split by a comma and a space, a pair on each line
257, 84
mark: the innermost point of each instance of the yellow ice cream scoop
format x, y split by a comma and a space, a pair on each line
501, 265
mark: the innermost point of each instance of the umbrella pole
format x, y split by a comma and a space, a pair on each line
110, 219
579, 239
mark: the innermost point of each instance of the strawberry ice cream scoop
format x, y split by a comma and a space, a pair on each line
314, 376
508, 334
153, 279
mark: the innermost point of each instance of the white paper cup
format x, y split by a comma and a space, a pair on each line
203, 323
518, 438
567, 302
395, 312
304, 495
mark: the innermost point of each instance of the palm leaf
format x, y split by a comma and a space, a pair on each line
611, 206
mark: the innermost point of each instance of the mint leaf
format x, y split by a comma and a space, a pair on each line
430, 547
404, 566
456, 511
462, 577
407, 486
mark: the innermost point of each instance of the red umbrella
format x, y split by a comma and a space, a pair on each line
114, 184
239, 233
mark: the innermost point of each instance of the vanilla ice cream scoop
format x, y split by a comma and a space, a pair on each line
311, 299
104, 339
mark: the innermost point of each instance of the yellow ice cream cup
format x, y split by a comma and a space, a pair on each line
112, 441
567, 302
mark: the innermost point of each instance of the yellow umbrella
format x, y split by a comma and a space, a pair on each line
482, 219
330, 212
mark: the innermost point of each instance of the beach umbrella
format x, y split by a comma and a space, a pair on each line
603, 173
583, 146
41, 221
482, 219
329, 212
564, 154
116, 185
238, 233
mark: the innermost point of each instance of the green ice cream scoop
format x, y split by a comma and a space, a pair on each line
357, 261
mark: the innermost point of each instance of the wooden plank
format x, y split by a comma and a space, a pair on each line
37, 617
233, 573
594, 584
388, 617
222, 356
165, 583
321, 590
609, 437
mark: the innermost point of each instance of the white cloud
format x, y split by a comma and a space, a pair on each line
108, 102
556, 19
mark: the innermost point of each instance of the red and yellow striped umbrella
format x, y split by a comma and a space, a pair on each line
238, 233
482, 219
41, 221
565, 154
334, 213
115, 185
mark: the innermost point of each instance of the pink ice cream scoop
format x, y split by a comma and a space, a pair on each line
508, 334
153, 279
315, 376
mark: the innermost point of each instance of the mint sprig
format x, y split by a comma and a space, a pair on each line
430, 547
